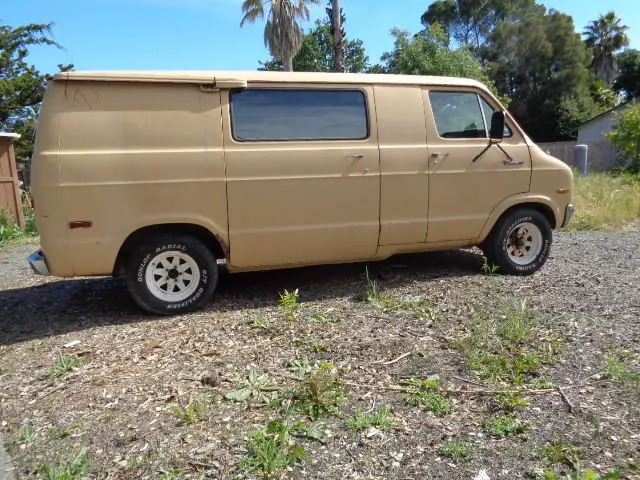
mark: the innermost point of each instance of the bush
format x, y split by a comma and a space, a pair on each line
625, 136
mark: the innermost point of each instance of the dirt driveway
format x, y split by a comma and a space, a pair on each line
509, 375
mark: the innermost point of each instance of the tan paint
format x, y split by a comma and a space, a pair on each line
126, 150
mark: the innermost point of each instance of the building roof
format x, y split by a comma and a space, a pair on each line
238, 79
611, 110
9, 135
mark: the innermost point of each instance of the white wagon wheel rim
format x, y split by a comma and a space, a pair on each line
172, 276
524, 243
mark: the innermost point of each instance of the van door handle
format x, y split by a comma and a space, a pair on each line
512, 163
354, 155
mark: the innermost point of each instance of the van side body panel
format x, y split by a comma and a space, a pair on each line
404, 164
133, 155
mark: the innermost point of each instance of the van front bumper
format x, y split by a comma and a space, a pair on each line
38, 263
568, 214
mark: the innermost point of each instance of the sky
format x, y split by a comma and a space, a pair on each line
206, 34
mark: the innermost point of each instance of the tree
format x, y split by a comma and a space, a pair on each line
540, 63
316, 54
282, 34
625, 136
22, 86
337, 31
605, 36
628, 80
469, 22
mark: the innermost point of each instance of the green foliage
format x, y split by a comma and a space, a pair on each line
455, 449
504, 425
321, 319
504, 343
63, 365
321, 394
568, 459
562, 453
8, 229
428, 394
254, 386
540, 61
489, 269
510, 401
614, 369
605, 36
625, 136
273, 449
300, 367
191, 413
27, 435
605, 201
380, 419
65, 469
628, 79
316, 54
289, 304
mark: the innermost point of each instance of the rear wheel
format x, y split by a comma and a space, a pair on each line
172, 275
520, 242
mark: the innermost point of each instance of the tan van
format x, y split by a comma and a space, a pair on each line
158, 175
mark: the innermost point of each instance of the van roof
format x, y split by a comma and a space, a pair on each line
230, 79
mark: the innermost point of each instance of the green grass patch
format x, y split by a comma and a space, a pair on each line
380, 419
505, 343
427, 394
27, 435
193, 412
67, 469
63, 365
614, 369
455, 449
420, 308
605, 201
504, 425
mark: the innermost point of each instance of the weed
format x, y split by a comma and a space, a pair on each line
505, 425
173, 474
542, 383
321, 394
562, 453
60, 433
387, 302
321, 319
319, 347
65, 469
271, 450
510, 401
428, 394
260, 323
454, 449
63, 365
300, 368
380, 419
191, 413
603, 201
254, 386
503, 344
489, 269
614, 369
290, 304
27, 435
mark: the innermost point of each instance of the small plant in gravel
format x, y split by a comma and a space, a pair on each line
562, 453
254, 386
614, 369
27, 435
427, 393
273, 448
290, 304
65, 469
321, 394
319, 347
510, 401
380, 419
504, 344
259, 323
489, 269
455, 449
504, 425
191, 413
173, 474
300, 367
321, 319
387, 302
63, 365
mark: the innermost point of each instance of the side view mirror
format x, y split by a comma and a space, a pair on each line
496, 134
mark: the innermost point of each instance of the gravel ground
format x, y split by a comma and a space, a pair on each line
118, 403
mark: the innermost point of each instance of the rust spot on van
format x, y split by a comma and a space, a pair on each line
223, 246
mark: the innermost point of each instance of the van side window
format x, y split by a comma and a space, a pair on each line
458, 115
294, 115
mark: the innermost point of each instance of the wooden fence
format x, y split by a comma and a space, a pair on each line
600, 154
10, 198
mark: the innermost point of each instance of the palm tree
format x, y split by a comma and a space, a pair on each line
338, 36
282, 34
605, 36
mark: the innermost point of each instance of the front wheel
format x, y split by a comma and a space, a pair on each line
520, 243
172, 275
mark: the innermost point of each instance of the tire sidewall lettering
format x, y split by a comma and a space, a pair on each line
544, 252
